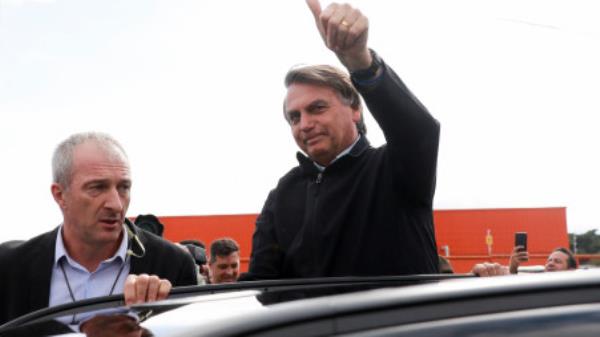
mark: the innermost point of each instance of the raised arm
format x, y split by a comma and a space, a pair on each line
345, 31
412, 134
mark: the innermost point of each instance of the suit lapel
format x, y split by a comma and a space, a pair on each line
40, 263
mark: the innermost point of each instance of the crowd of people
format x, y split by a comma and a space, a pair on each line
347, 208
560, 259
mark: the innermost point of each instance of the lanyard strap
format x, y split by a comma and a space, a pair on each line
112, 289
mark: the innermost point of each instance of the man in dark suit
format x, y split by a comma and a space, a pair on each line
96, 251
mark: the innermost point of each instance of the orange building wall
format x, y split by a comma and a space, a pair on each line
463, 231
207, 228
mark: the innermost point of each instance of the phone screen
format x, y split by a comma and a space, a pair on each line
521, 240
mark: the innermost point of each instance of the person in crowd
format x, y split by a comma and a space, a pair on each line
198, 251
224, 261
490, 269
150, 223
445, 266
96, 251
560, 259
346, 201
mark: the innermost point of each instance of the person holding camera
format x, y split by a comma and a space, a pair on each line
560, 259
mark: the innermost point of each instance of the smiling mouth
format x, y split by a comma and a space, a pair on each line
312, 140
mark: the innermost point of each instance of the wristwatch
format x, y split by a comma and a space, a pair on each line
369, 73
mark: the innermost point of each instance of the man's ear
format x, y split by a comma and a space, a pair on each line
356, 115
58, 193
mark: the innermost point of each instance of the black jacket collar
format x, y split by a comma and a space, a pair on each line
308, 167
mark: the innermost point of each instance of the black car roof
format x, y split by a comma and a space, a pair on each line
384, 303
185, 295
404, 305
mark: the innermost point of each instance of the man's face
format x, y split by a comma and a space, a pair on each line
96, 200
322, 125
225, 269
557, 261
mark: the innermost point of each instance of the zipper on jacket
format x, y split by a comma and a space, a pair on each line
313, 228
319, 178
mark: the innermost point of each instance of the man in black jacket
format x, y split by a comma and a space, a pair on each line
349, 208
96, 251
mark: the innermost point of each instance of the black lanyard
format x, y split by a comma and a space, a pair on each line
112, 289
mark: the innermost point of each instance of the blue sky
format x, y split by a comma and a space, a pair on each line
193, 90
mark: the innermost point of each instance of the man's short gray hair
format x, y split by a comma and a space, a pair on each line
62, 160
